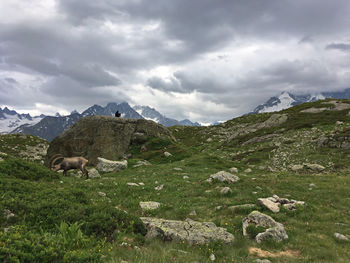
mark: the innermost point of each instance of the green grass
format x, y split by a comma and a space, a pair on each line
65, 219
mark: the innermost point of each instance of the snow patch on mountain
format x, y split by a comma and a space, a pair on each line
286, 100
10, 120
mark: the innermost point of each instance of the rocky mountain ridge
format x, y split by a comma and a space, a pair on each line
49, 127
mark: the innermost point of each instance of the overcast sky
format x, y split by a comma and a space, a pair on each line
206, 60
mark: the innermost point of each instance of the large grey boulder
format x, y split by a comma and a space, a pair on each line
274, 230
105, 136
105, 165
190, 231
223, 176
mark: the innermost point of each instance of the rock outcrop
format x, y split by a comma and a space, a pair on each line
105, 136
190, 231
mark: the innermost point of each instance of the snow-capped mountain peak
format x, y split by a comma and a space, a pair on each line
10, 120
286, 100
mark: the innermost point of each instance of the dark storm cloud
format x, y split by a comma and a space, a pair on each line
91, 45
339, 46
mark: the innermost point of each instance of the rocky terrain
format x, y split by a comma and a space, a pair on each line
270, 187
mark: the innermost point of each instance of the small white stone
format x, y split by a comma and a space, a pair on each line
212, 257
341, 237
158, 188
102, 194
132, 184
167, 154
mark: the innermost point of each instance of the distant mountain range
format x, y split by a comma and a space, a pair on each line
286, 100
10, 119
48, 127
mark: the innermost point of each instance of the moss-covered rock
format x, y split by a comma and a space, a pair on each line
105, 136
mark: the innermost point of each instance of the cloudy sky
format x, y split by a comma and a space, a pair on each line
205, 60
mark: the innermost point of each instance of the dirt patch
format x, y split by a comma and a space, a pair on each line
266, 254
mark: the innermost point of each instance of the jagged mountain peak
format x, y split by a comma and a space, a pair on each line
287, 99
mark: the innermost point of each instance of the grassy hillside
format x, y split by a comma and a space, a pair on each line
68, 219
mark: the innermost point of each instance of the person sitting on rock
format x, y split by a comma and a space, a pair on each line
117, 114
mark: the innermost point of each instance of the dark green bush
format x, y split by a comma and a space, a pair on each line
19, 244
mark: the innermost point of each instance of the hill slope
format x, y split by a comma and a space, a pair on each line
299, 153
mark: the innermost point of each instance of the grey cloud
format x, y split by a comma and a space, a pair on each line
339, 46
11, 80
74, 53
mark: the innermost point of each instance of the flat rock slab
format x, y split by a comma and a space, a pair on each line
150, 205
190, 231
105, 165
236, 208
274, 230
141, 163
223, 176
269, 204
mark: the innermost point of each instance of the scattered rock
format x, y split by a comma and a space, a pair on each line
248, 170
225, 190
209, 140
143, 148
93, 173
167, 154
185, 177
339, 123
150, 205
223, 176
269, 204
105, 165
273, 203
193, 213
193, 232
233, 170
132, 184
102, 194
341, 237
219, 207
8, 214
267, 254
274, 230
314, 110
314, 167
241, 207
141, 163
260, 139
212, 257
262, 261
177, 169
312, 185
297, 167
159, 187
